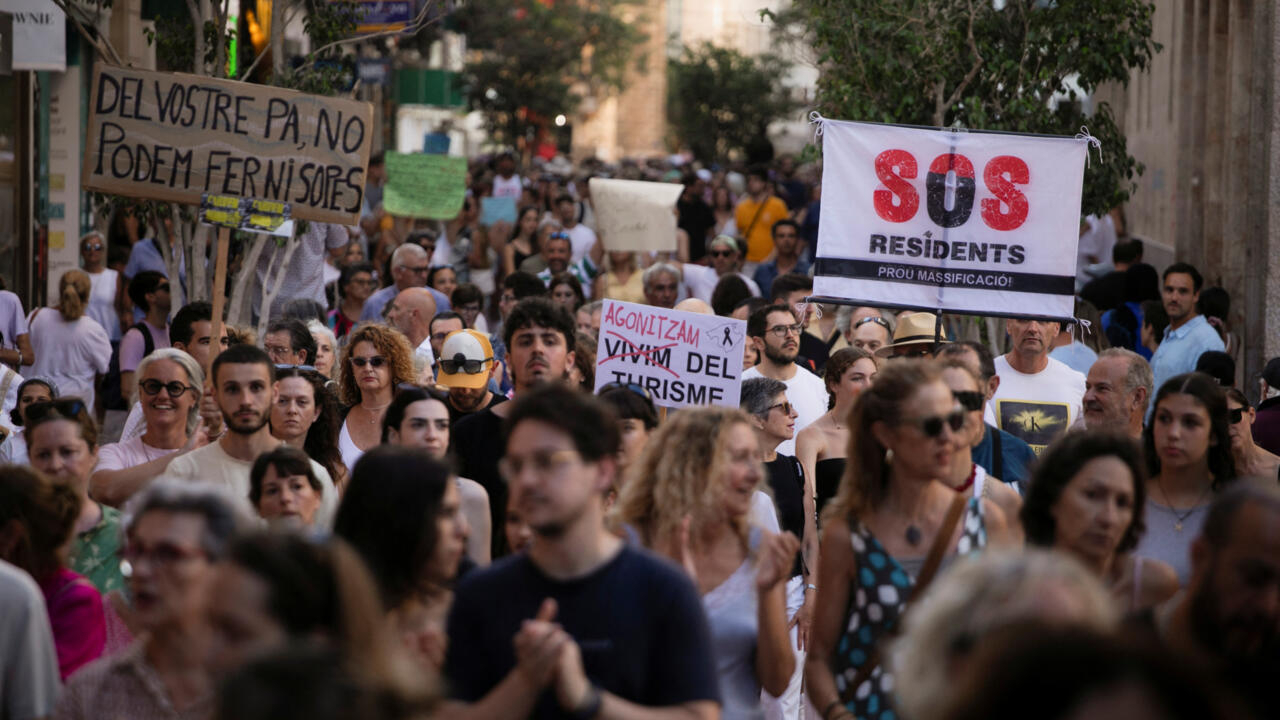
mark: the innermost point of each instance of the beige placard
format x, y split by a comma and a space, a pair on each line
174, 137
635, 215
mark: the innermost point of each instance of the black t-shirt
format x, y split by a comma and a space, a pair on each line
696, 219
638, 621
1106, 292
786, 480
455, 414
476, 440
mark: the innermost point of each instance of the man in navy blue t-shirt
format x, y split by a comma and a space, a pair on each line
579, 626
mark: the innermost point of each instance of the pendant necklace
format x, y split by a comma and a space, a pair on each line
1179, 518
913, 534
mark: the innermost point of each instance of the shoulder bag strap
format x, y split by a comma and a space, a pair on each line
752, 225
997, 454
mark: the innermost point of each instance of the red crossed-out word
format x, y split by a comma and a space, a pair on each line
648, 354
899, 199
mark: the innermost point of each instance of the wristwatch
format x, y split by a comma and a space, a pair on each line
590, 705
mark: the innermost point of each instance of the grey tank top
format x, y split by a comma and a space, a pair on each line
1169, 535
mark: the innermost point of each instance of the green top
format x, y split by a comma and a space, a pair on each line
96, 554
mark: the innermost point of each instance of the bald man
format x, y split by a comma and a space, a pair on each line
411, 314
409, 268
694, 305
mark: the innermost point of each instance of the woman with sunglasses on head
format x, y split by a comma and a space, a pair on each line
70, 347
1187, 443
376, 360
1088, 497
33, 390
169, 394
966, 475
1251, 460
305, 416
893, 515
63, 441
106, 291
36, 519
690, 498
820, 447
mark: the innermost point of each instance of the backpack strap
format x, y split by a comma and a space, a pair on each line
148, 342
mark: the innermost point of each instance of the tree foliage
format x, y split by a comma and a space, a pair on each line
536, 60
1024, 67
720, 102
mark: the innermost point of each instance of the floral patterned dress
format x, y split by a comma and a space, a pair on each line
95, 554
877, 599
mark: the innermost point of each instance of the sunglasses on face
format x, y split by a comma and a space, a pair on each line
376, 361
162, 287
93, 247
786, 408
932, 427
1235, 416
470, 367
175, 388
720, 253
969, 399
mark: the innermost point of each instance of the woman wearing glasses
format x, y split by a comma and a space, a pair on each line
169, 394
821, 446
690, 498
893, 508
106, 291
1251, 460
70, 347
374, 362
63, 442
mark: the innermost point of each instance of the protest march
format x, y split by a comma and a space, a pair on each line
895, 427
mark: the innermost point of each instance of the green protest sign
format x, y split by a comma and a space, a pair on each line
424, 186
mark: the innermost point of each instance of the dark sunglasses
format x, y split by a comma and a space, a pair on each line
786, 408
1235, 416
932, 426
68, 408
720, 253
459, 362
162, 286
376, 361
969, 399
559, 236
175, 388
632, 387
872, 319
93, 246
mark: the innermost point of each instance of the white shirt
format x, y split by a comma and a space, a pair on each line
581, 238
102, 301
13, 321
128, 453
701, 280
14, 449
68, 353
212, 464
1037, 407
807, 394
135, 424
9, 382
511, 187
29, 680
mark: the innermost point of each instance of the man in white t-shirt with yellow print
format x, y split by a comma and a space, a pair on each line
1038, 398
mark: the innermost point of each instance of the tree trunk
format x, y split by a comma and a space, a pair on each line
236, 306
277, 39
276, 280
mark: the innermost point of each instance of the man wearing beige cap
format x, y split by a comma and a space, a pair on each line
466, 366
726, 257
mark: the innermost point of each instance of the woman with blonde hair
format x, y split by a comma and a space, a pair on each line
375, 361
689, 497
892, 524
71, 348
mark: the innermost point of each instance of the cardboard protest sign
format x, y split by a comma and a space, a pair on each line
683, 359
964, 222
635, 215
496, 210
424, 186
175, 137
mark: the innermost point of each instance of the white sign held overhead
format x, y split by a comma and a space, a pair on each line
681, 359
635, 215
964, 222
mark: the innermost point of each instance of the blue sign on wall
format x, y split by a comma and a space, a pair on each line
380, 15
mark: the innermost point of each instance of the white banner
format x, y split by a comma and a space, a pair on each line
965, 222
682, 358
39, 35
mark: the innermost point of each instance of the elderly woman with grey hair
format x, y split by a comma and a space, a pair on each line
169, 390
174, 534
982, 595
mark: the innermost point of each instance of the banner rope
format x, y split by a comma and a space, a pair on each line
1089, 140
816, 119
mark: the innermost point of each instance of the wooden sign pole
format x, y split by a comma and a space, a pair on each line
219, 299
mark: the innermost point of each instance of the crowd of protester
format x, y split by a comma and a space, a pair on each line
407, 499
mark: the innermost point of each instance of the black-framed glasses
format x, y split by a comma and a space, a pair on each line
376, 361
786, 408
1235, 416
969, 399
872, 319
640, 390
461, 363
781, 331
175, 389
67, 408
932, 426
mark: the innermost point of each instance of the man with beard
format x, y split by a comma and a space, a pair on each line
1229, 615
1116, 392
582, 624
463, 352
775, 332
539, 335
244, 388
558, 252
1189, 334
1038, 397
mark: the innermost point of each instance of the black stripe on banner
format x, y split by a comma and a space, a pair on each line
939, 277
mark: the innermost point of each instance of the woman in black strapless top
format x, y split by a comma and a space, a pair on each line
821, 446
828, 472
